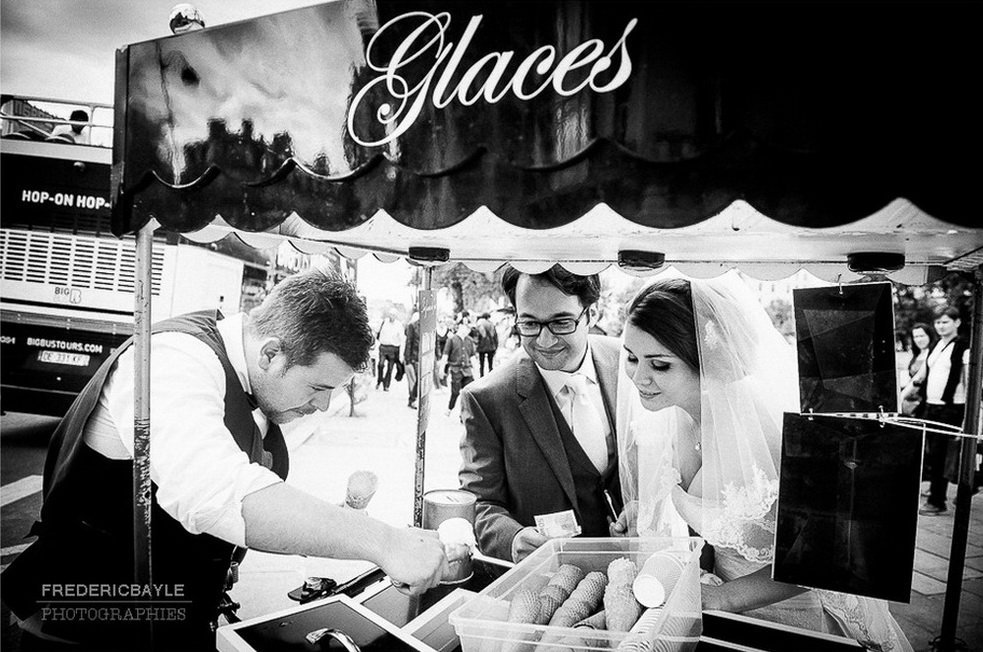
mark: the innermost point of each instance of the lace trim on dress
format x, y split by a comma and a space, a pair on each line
866, 620
744, 519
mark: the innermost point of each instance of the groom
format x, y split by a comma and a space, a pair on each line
539, 432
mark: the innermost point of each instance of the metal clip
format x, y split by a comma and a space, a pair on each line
340, 636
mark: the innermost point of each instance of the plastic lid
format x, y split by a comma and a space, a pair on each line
449, 497
649, 591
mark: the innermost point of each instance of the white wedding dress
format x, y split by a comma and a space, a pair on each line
720, 477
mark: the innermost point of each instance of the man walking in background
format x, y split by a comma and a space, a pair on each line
411, 357
487, 343
391, 335
943, 377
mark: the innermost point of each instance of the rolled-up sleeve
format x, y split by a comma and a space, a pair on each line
202, 475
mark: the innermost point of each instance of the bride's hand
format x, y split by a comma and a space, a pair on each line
628, 515
713, 597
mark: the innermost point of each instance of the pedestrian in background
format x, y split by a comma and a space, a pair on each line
487, 343
943, 376
459, 351
391, 335
411, 357
444, 329
923, 338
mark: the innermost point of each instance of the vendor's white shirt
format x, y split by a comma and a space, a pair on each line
557, 380
201, 474
939, 366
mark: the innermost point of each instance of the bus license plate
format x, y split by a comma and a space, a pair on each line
60, 357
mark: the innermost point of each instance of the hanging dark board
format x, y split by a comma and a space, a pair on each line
847, 506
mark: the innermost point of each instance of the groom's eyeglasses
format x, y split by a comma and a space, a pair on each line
562, 326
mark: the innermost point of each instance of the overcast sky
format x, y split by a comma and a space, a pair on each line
65, 49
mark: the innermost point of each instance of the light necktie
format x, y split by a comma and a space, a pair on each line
584, 420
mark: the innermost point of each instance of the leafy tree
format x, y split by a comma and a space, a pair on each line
917, 303
613, 305
475, 292
782, 317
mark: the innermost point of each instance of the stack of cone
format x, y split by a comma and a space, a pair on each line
583, 602
620, 606
524, 607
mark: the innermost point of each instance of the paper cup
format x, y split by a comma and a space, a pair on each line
458, 564
649, 591
654, 583
442, 504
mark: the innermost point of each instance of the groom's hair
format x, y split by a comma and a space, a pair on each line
664, 310
585, 288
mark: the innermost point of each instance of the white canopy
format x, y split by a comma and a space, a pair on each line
738, 237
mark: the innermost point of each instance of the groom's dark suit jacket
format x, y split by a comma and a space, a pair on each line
520, 458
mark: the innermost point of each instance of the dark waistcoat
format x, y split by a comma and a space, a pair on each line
85, 535
592, 509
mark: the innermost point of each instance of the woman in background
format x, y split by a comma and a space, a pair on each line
922, 340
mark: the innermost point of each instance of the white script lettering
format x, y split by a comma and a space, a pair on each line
428, 40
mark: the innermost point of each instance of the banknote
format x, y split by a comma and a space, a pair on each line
558, 524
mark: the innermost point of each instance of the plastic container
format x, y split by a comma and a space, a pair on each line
482, 622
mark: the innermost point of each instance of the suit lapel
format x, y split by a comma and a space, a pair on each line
535, 407
606, 366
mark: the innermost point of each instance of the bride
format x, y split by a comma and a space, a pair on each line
700, 442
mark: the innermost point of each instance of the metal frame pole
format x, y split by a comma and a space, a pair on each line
141, 410
424, 374
967, 469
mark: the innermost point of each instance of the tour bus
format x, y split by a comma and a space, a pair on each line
66, 283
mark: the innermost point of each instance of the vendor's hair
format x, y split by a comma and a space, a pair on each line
664, 310
316, 312
932, 337
585, 288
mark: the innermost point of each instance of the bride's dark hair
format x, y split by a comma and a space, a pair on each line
664, 310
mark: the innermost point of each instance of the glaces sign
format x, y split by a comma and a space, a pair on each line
540, 70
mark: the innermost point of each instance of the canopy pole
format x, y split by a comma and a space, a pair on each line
967, 470
426, 330
141, 410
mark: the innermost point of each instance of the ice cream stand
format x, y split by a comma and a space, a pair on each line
705, 136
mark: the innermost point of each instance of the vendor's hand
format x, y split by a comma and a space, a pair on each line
628, 515
525, 542
416, 560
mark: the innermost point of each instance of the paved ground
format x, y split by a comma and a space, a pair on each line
380, 437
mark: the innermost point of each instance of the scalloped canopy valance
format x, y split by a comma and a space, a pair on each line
813, 114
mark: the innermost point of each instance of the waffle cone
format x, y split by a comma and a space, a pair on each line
361, 488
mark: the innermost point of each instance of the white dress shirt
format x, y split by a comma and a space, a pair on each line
392, 333
557, 380
939, 365
202, 476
